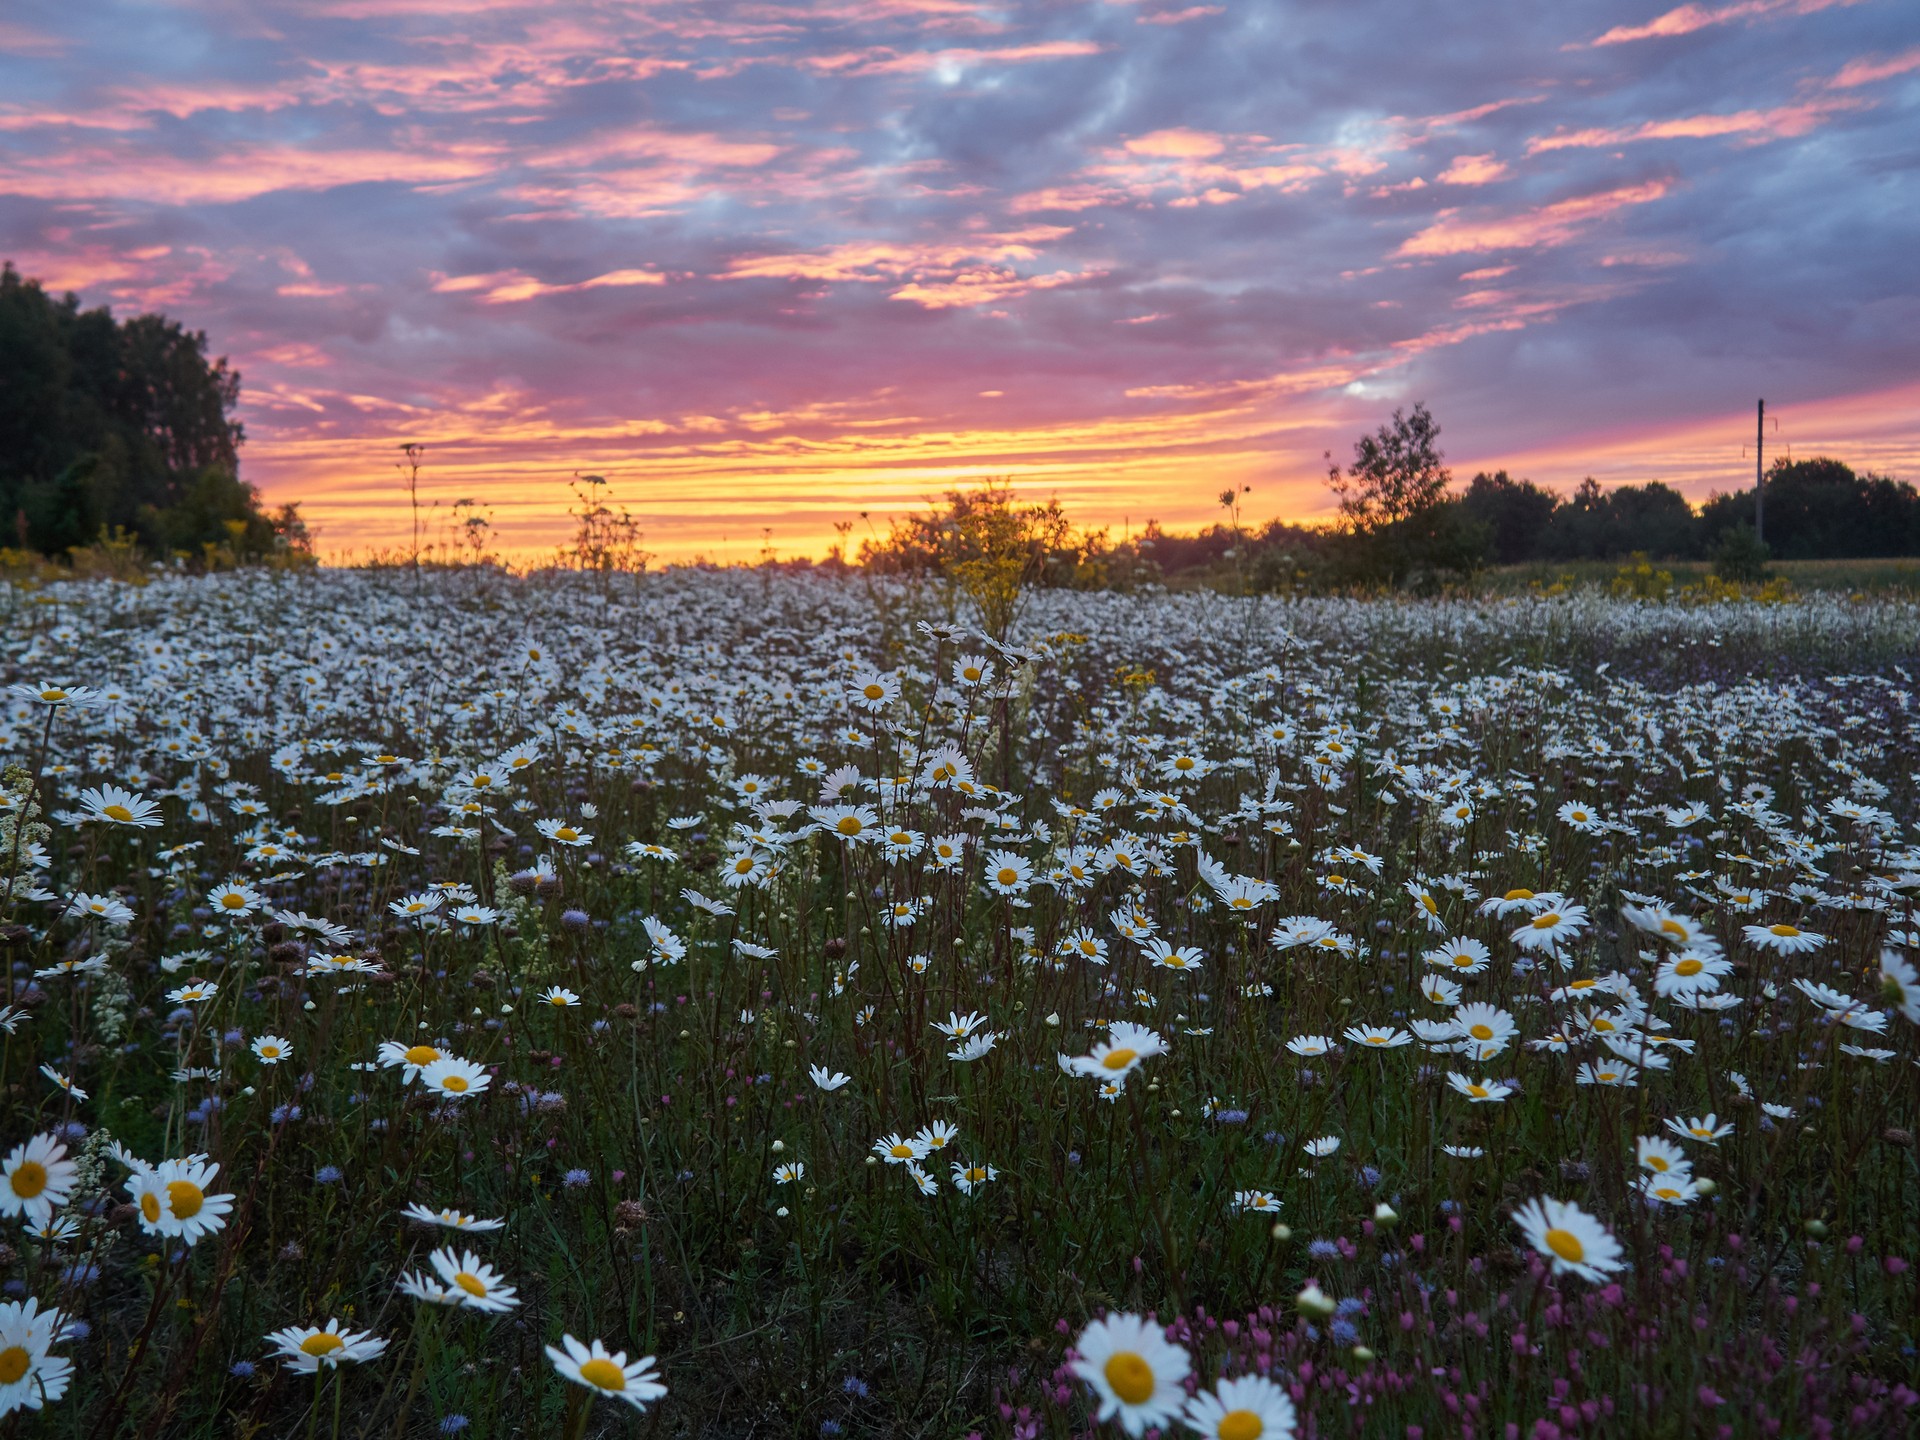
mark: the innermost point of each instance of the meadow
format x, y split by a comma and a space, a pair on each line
742, 1003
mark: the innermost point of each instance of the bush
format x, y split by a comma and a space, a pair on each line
1741, 557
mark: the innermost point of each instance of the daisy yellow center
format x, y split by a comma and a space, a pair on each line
1688, 967
901, 1152
470, 1283
1130, 1376
1673, 927
29, 1178
150, 1206
1546, 921
422, 1055
1336, 879
51, 695
1566, 1245
1518, 895
1580, 815
232, 901
1480, 1032
455, 1083
603, 1374
321, 1342
566, 832
1119, 1059
1657, 1162
850, 825
270, 1052
1479, 1092
1008, 875
1426, 902
117, 812
1463, 960
1376, 1039
1240, 1425
1784, 931
480, 782
185, 1198
874, 692
14, 1363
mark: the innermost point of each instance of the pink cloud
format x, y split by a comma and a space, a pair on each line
18, 39
988, 284
1781, 123
1687, 19
872, 260
1066, 197
508, 286
1473, 170
1176, 144
1180, 17
125, 172
1555, 224
1869, 69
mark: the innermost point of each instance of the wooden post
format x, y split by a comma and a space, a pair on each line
1760, 475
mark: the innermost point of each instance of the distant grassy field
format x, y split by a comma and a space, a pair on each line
1866, 577
1469, 1017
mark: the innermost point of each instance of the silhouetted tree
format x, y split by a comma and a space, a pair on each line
1397, 472
1400, 524
107, 424
1820, 509
1515, 512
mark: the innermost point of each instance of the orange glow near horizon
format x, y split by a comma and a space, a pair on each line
726, 500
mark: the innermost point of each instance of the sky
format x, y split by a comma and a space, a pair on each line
767, 266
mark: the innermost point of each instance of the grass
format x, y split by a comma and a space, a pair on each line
372, 757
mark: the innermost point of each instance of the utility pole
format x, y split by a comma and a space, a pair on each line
1759, 475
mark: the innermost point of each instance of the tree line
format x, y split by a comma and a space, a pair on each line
1403, 521
1405, 524
124, 431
